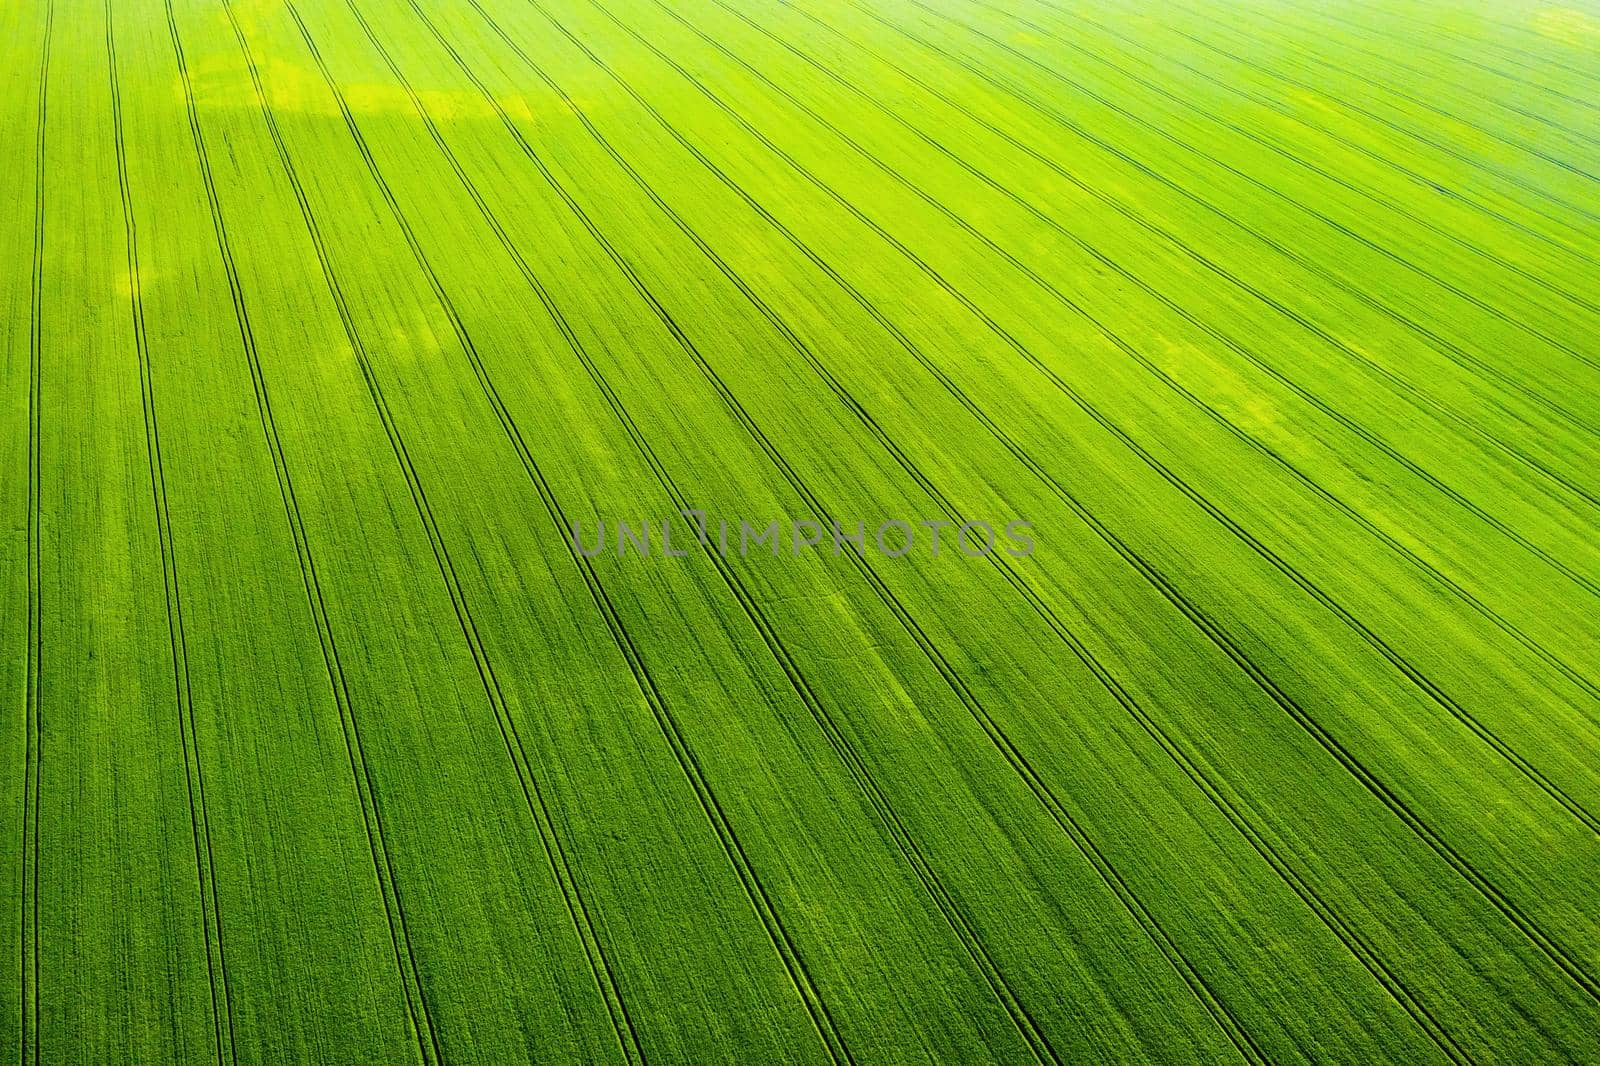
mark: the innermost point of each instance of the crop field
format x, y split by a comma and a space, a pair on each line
835, 531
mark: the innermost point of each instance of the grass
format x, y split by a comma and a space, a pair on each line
326, 320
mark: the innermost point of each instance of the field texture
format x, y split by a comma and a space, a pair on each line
1262, 338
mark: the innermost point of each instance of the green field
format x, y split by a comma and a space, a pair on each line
331, 331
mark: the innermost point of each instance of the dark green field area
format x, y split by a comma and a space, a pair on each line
1263, 340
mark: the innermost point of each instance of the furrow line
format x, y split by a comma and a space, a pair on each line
1363, 952
1567, 670
1370, 153
383, 870
893, 826
578, 909
194, 775
1427, 569
1455, 351
1337, 179
1186, 971
804, 985
1366, 34
1508, 52
30, 1014
1587, 584
896, 830
1410, 672
1435, 109
1377, 36
1396, 804
1461, 157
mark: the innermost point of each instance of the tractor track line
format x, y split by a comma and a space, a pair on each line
1256, 138
1525, 185
1578, 578
1361, 951
578, 909
1376, 35
1549, 657
1515, 80
416, 1007
1379, 790
1513, 144
893, 827
1452, 350
30, 1019
1377, 157
1344, 615
222, 1011
1428, 569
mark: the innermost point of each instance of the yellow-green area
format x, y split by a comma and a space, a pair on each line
324, 322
